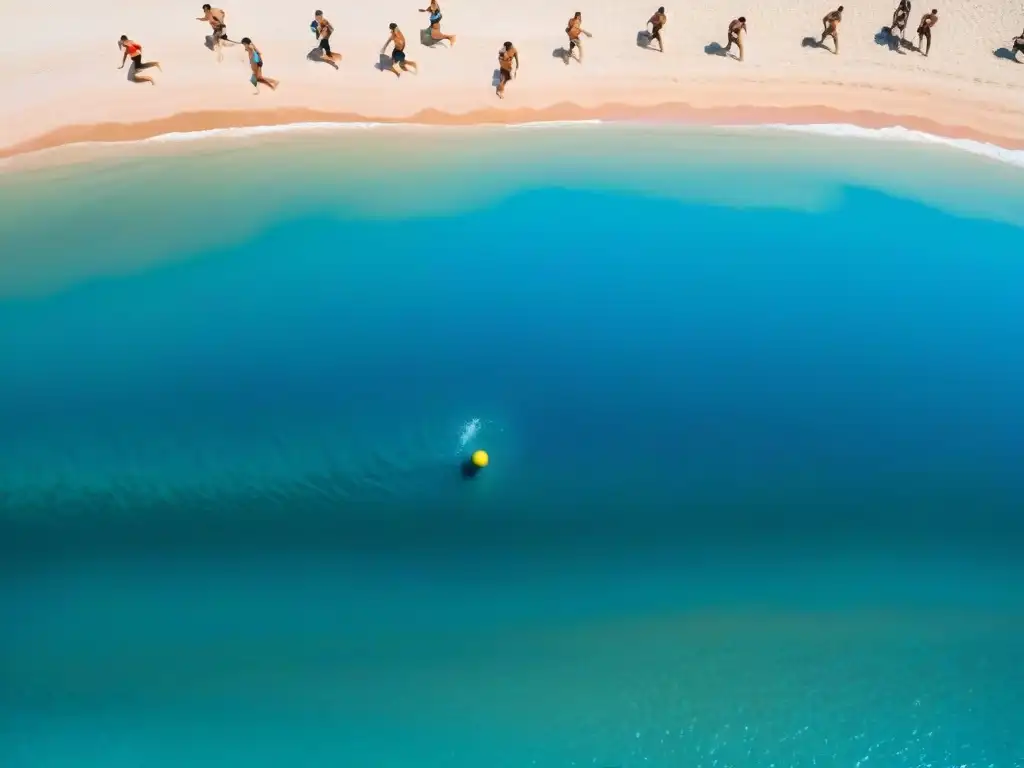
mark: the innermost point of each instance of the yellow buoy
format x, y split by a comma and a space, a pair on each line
480, 459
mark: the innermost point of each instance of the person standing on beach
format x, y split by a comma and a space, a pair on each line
256, 63
831, 24
899, 19
737, 29
924, 30
574, 29
657, 22
399, 63
435, 23
507, 55
324, 30
215, 17
134, 50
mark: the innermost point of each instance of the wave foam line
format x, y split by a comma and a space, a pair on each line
898, 133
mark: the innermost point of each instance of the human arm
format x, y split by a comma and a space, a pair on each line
124, 58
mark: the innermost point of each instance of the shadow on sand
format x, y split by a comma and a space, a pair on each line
716, 49
1005, 53
561, 53
644, 39
316, 55
886, 39
384, 63
495, 78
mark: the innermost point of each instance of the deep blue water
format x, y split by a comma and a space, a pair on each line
242, 467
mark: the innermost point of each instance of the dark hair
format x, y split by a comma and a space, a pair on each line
318, 13
840, 8
508, 45
662, 9
392, 26
935, 11
206, 7
123, 38
245, 41
578, 15
742, 19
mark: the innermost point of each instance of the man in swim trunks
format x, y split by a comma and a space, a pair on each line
1018, 45
256, 63
506, 56
574, 29
399, 63
324, 31
831, 27
134, 50
924, 30
657, 22
737, 29
899, 19
435, 23
215, 17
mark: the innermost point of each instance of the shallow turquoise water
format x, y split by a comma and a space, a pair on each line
754, 419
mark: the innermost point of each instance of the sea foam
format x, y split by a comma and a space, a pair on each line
1012, 157
899, 133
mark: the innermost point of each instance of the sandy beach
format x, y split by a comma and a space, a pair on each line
72, 91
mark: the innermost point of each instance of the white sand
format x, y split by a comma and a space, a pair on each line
69, 76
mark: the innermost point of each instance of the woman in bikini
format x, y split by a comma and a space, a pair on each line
830, 26
134, 51
256, 62
435, 23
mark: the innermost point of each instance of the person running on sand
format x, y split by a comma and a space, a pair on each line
256, 62
737, 30
574, 29
215, 17
435, 23
134, 50
924, 30
324, 30
831, 24
399, 63
657, 22
899, 19
507, 54
1018, 45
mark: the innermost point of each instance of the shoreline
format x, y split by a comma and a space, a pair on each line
200, 124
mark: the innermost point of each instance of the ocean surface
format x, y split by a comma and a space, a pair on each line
754, 405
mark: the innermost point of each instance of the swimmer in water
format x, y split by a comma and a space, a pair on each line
134, 50
435, 23
324, 31
507, 55
399, 63
924, 30
657, 22
256, 62
737, 31
216, 18
574, 29
831, 28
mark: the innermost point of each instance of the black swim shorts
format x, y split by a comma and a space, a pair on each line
325, 46
398, 56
